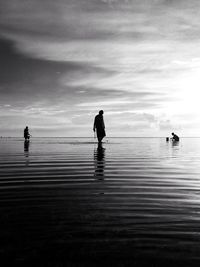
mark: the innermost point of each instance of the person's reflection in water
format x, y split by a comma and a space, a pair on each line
99, 162
26, 147
175, 143
26, 151
175, 151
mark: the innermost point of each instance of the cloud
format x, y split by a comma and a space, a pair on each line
86, 29
62, 61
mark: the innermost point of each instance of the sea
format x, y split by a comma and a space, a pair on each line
72, 202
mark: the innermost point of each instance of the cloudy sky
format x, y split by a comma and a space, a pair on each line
62, 61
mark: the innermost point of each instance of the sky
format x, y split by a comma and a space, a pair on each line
62, 61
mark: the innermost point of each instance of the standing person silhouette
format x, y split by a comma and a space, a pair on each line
99, 126
26, 134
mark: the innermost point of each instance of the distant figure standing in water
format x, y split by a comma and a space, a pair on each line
26, 134
175, 137
99, 126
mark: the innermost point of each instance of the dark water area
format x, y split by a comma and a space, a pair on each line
68, 202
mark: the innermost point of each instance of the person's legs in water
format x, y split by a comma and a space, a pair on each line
100, 139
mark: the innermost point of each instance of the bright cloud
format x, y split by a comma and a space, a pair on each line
62, 61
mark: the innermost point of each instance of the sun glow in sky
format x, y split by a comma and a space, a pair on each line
62, 61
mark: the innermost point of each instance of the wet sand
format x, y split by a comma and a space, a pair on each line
131, 202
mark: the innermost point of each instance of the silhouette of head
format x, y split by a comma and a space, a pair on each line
101, 112
172, 133
26, 127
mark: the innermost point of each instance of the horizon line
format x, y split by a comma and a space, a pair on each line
1, 137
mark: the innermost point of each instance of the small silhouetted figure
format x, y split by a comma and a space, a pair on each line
99, 126
175, 137
167, 139
26, 134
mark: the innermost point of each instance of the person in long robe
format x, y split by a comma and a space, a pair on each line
99, 126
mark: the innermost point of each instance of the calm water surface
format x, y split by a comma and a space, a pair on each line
66, 202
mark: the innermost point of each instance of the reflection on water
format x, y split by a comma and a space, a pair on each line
135, 199
26, 151
174, 147
99, 162
26, 147
175, 143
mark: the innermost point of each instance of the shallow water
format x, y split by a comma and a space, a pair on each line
66, 201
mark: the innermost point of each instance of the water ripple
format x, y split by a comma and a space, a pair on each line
122, 196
